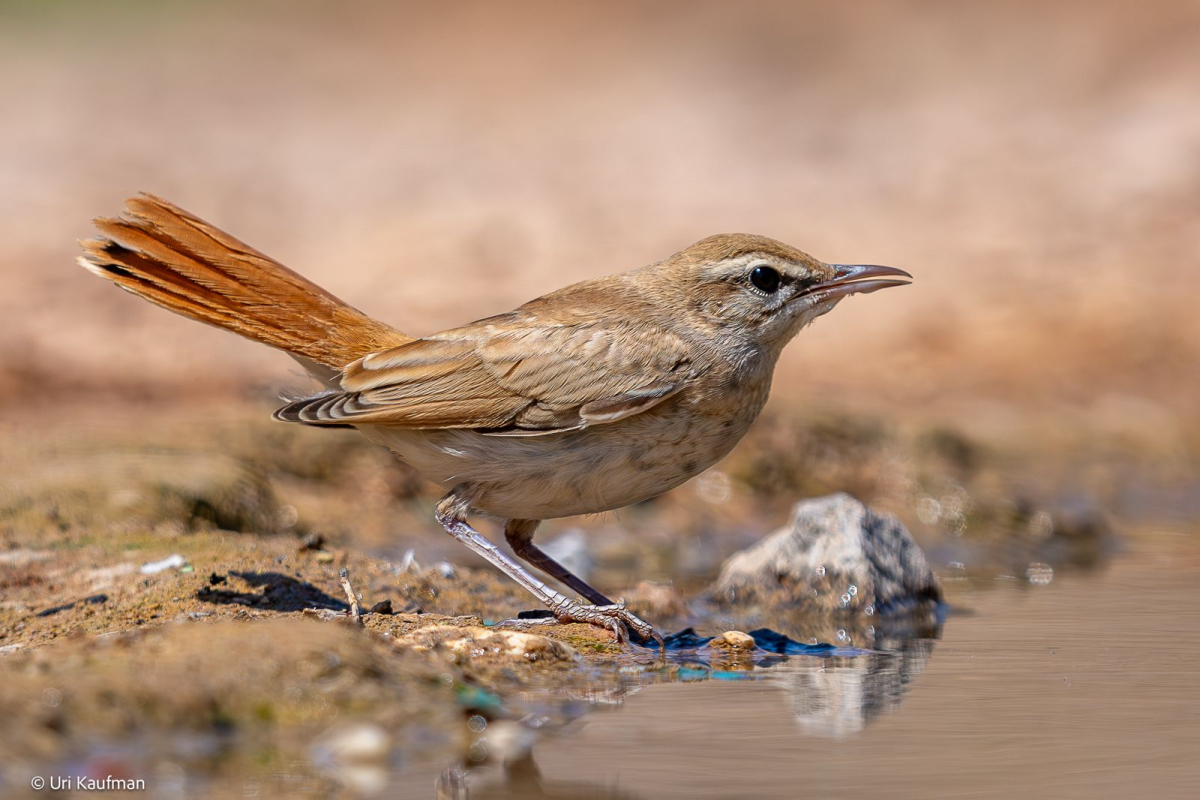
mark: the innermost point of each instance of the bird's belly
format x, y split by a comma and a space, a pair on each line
559, 475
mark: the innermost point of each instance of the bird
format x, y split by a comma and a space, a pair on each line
588, 399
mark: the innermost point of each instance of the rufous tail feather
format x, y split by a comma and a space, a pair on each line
162, 253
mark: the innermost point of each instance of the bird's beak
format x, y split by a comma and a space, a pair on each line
856, 279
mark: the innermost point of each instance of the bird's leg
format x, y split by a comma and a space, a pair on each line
451, 511
519, 534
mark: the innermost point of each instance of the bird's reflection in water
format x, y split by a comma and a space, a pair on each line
832, 693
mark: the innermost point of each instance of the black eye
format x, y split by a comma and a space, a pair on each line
766, 279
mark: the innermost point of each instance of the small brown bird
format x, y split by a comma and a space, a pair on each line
588, 399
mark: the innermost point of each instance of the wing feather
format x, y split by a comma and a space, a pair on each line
516, 374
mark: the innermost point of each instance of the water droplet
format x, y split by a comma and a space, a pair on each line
956, 501
841, 635
869, 611
845, 599
477, 724
852, 591
929, 510
821, 570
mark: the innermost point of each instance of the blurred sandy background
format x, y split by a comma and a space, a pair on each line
1035, 165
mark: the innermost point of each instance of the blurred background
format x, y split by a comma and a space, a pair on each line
1035, 165
1027, 407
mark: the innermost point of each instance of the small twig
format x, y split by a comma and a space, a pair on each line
349, 590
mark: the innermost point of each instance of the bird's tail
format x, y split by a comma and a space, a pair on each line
162, 253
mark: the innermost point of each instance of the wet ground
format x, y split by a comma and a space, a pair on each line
171, 610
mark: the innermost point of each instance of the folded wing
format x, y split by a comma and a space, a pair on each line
515, 375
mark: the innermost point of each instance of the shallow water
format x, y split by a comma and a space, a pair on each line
1086, 687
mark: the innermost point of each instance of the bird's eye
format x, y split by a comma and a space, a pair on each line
766, 279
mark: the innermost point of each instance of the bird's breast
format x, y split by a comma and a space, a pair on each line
600, 468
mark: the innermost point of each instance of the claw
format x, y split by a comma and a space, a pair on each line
614, 617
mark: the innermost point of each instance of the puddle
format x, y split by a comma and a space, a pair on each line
1089, 687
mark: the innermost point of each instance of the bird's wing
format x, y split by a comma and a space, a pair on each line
516, 374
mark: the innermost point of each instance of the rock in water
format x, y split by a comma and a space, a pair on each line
734, 641
836, 557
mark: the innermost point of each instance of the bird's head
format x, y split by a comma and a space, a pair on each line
760, 291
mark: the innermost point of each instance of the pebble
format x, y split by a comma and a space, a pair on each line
382, 607
733, 640
357, 742
473, 642
172, 561
509, 741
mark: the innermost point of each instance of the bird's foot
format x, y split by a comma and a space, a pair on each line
615, 617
